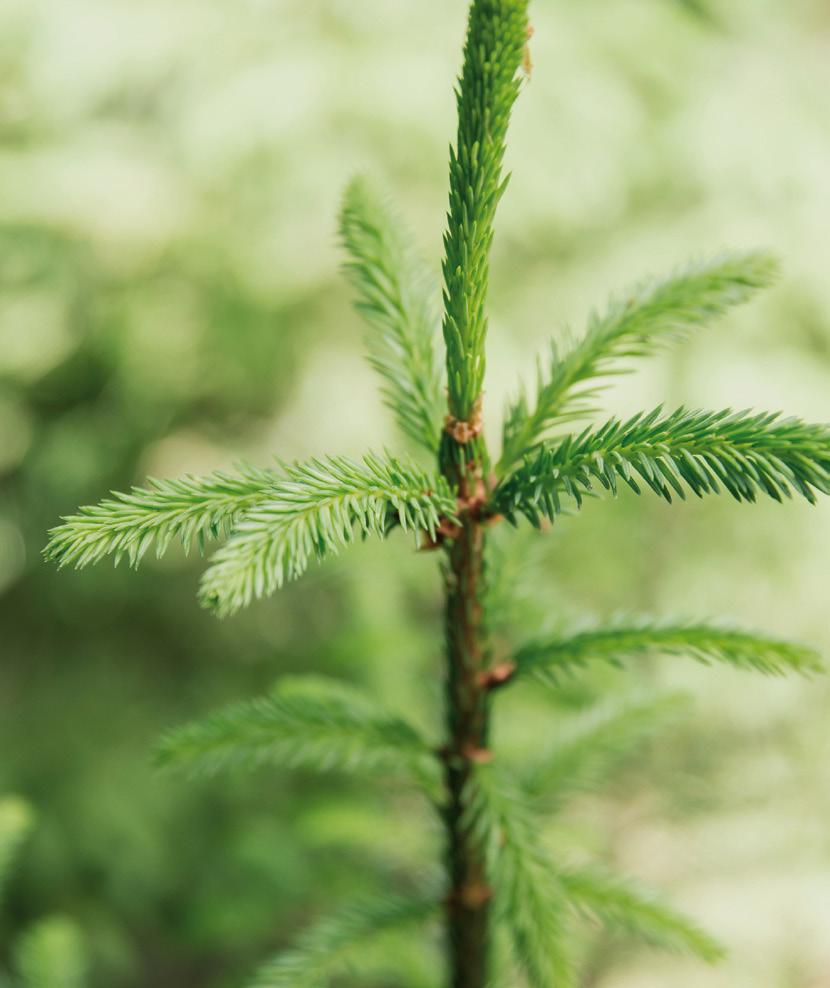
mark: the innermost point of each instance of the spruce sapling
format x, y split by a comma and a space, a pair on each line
497, 874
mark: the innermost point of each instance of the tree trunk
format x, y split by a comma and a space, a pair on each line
468, 903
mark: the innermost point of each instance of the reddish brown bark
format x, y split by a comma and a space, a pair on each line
467, 654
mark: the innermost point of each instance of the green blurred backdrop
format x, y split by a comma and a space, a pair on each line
170, 301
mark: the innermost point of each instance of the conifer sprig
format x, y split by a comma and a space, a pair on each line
585, 751
306, 722
392, 295
536, 896
705, 643
317, 508
642, 322
616, 903
336, 945
277, 522
487, 90
741, 453
128, 524
530, 900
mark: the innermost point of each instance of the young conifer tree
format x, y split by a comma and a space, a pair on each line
275, 522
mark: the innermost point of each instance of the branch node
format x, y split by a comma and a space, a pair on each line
499, 675
446, 530
476, 755
473, 895
465, 431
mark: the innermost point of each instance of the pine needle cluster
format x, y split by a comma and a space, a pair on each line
339, 944
318, 724
487, 90
501, 873
646, 320
275, 521
741, 453
392, 293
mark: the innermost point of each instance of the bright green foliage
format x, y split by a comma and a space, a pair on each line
536, 897
619, 904
337, 945
487, 91
704, 643
392, 295
582, 754
191, 509
305, 722
52, 955
318, 508
15, 823
638, 324
530, 900
702, 452
278, 522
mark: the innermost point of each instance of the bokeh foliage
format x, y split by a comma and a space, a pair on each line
169, 183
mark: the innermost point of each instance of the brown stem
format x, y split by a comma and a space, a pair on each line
468, 902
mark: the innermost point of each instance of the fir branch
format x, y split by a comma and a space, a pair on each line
533, 893
530, 900
16, 821
703, 452
308, 723
278, 522
487, 90
704, 643
644, 321
337, 945
588, 749
391, 294
618, 904
318, 508
52, 955
127, 524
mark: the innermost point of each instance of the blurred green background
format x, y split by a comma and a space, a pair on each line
170, 301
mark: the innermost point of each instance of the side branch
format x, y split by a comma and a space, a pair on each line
189, 509
392, 296
704, 643
640, 323
743, 454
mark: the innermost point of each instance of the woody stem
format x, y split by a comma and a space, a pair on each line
467, 655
